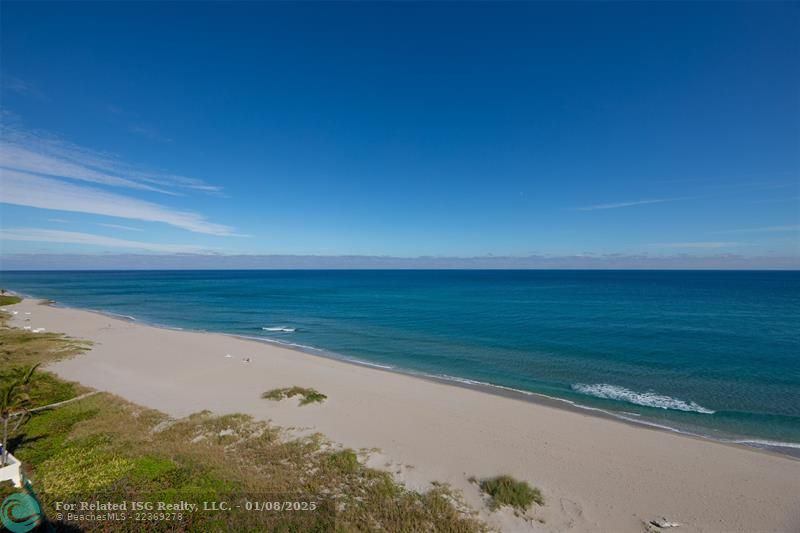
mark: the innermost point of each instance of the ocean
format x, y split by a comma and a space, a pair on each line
711, 353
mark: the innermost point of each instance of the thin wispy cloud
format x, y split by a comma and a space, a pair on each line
765, 229
120, 226
756, 181
618, 205
704, 245
73, 237
779, 200
18, 158
20, 188
39, 153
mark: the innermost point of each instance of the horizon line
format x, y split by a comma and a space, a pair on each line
254, 262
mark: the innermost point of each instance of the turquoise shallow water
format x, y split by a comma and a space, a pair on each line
715, 353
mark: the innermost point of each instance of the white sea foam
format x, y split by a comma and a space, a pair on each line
114, 315
283, 329
484, 384
647, 399
756, 443
460, 380
367, 363
302, 347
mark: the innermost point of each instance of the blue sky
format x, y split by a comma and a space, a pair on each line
402, 129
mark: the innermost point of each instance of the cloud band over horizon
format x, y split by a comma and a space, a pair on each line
74, 237
21, 188
212, 261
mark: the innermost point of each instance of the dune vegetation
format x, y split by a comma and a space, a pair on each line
102, 447
6, 299
505, 490
307, 395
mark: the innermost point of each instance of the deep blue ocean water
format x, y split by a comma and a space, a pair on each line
716, 353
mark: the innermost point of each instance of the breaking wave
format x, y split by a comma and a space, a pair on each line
282, 329
647, 399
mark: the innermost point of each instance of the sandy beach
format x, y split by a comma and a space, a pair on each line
596, 474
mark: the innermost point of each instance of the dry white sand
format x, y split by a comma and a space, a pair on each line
597, 474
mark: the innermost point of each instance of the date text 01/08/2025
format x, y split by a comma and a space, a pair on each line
184, 506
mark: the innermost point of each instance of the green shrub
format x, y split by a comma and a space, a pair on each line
150, 468
274, 394
82, 469
345, 461
505, 490
45, 434
9, 300
308, 395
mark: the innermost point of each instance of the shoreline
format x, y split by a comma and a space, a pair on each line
786, 449
598, 473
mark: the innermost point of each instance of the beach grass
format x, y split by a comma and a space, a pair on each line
103, 446
345, 461
307, 395
505, 490
19, 347
7, 299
